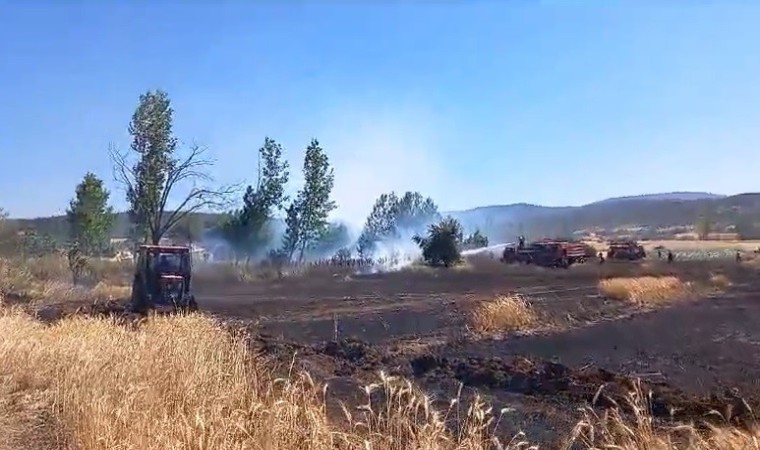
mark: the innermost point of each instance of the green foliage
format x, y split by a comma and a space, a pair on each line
392, 215
158, 171
154, 143
89, 216
475, 240
8, 240
306, 216
441, 246
35, 244
247, 229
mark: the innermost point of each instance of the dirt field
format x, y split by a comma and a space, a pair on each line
698, 355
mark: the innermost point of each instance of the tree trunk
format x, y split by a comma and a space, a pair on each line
303, 248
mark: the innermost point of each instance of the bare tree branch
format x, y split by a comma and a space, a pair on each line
190, 169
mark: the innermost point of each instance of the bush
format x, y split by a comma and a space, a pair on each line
442, 245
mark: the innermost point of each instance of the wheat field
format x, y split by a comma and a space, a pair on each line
185, 382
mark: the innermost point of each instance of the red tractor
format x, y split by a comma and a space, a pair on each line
162, 279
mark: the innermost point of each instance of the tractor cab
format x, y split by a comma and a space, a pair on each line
162, 278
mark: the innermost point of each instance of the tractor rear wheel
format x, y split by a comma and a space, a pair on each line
139, 301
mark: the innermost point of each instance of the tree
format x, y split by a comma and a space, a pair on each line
159, 172
38, 244
89, 216
8, 238
292, 237
391, 216
306, 216
442, 243
246, 229
475, 240
703, 227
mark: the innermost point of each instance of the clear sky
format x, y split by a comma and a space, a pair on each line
472, 103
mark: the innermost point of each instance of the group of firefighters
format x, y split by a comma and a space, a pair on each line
670, 256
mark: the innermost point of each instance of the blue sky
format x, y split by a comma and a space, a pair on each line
556, 102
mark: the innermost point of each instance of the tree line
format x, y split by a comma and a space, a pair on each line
166, 185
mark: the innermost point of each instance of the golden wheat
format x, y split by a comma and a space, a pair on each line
502, 314
184, 382
646, 290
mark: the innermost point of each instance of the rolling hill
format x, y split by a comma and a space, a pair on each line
644, 215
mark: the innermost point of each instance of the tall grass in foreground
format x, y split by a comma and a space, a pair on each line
183, 382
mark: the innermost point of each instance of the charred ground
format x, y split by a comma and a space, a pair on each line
697, 357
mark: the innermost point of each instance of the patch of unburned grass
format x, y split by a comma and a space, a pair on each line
41, 280
646, 290
611, 430
503, 314
720, 281
183, 382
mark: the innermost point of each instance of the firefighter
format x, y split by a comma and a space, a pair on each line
670, 257
659, 253
601, 258
738, 256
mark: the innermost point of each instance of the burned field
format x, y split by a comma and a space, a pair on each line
697, 352
698, 355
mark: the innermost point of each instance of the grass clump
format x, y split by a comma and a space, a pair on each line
646, 290
720, 281
503, 314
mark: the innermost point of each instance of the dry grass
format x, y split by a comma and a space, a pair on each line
611, 430
675, 245
48, 279
720, 280
646, 290
502, 314
183, 382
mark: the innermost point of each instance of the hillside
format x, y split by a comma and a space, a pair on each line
57, 226
649, 214
668, 196
653, 213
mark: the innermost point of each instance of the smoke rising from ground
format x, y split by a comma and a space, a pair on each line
374, 149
